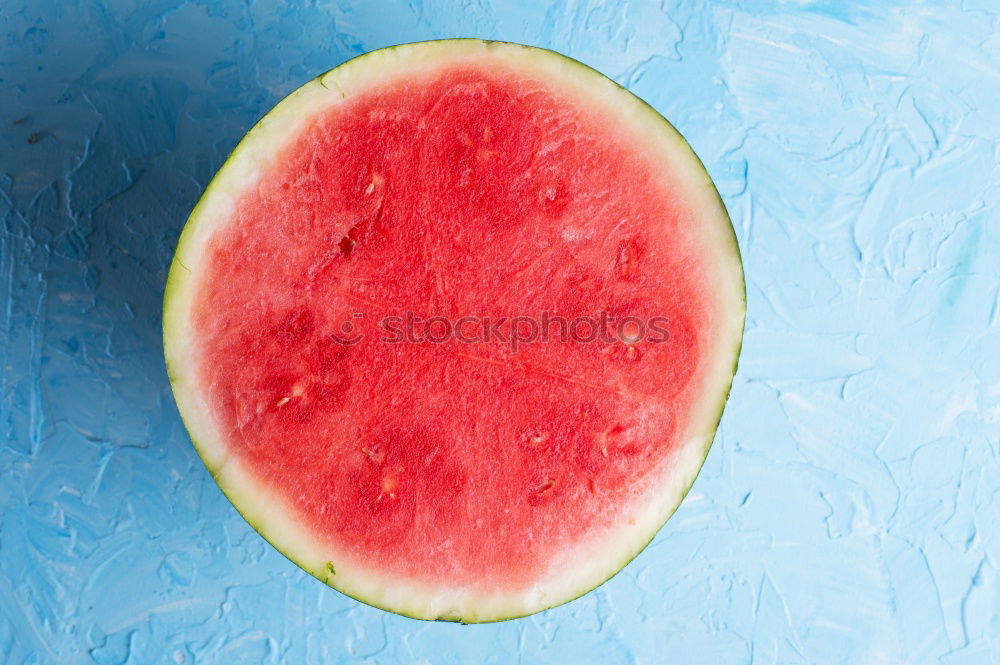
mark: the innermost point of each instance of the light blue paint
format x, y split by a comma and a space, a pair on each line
848, 511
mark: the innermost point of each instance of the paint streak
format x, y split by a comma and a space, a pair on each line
854, 144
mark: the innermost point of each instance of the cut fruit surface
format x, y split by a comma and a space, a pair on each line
454, 326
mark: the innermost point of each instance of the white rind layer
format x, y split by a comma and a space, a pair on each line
591, 563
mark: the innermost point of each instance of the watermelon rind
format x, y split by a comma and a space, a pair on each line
575, 573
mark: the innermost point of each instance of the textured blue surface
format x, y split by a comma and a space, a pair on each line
848, 512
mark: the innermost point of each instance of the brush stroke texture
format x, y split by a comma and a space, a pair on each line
848, 511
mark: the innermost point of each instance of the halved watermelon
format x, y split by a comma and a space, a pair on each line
349, 317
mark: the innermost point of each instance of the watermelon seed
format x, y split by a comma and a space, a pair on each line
377, 180
283, 401
627, 263
346, 245
606, 436
376, 456
348, 242
536, 437
546, 486
633, 353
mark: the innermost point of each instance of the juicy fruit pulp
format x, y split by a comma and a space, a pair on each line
468, 187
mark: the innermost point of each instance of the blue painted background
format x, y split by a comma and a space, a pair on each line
848, 512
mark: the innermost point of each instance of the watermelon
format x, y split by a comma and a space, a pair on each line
454, 325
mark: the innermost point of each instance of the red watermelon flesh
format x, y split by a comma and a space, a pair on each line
469, 189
